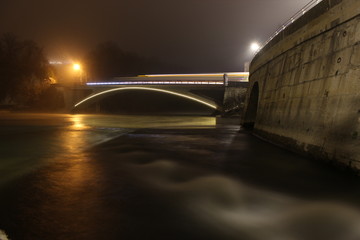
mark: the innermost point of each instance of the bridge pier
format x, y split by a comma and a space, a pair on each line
234, 98
71, 95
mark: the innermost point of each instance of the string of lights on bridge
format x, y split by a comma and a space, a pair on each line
157, 83
178, 79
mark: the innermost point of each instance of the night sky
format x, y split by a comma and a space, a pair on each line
201, 35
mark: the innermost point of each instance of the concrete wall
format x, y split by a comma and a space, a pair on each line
304, 88
234, 98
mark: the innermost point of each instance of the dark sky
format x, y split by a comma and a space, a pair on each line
203, 35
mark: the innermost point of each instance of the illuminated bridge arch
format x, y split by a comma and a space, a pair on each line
207, 103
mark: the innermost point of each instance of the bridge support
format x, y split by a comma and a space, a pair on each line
99, 93
228, 101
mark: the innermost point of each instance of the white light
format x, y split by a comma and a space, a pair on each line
157, 83
76, 67
190, 75
56, 62
254, 47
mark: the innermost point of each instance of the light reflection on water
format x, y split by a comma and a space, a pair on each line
45, 137
78, 123
139, 122
79, 192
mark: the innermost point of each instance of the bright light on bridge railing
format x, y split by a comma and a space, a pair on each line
156, 83
178, 79
193, 74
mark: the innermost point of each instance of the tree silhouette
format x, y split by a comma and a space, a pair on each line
24, 71
108, 60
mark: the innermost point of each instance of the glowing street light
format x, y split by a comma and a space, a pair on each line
78, 70
76, 67
254, 47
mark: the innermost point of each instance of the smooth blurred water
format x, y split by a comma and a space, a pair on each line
152, 177
31, 140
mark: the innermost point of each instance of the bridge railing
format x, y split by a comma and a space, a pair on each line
157, 83
296, 16
178, 79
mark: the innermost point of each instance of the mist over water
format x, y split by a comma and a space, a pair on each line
143, 177
239, 211
230, 208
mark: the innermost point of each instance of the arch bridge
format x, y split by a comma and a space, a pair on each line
206, 89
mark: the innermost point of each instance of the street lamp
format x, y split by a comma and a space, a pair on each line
254, 47
77, 69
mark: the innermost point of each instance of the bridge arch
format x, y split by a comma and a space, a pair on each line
186, 96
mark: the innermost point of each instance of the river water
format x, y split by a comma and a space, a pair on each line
163, 177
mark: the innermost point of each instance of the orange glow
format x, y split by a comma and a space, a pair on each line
78, 123
76, 67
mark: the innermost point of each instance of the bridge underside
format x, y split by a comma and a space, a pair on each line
211, 97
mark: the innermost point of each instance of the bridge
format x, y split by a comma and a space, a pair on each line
207, 89
304, 91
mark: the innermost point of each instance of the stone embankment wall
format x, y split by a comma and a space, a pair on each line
304, 88
234, 99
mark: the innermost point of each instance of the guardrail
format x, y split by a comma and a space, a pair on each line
178, 79
296, 16
156, 83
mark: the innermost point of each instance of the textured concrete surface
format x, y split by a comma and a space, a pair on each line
234, 98
305, 85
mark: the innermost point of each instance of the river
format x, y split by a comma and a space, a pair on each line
163, 177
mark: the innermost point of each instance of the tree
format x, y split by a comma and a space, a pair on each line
24, 71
